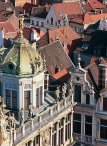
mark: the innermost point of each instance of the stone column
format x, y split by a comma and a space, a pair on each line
51, 136
98, 129
57, 133
64, 131
42, 94
65, 103
33, 94
82, 127
40, 140
31, 142
23, 129
21, 96
71, 122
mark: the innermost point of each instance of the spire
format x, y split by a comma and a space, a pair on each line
79, 59
21, 21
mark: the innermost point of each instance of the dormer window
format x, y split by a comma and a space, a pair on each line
87, 99
10, 66
51, 21
85, 46
77, 94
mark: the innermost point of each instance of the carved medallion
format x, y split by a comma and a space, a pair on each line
46, 138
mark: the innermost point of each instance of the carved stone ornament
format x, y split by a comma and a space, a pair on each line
46, 138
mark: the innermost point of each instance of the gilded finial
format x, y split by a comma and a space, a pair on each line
21, 22
2, 105
79, 59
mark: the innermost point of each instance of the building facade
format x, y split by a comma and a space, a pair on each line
37, 117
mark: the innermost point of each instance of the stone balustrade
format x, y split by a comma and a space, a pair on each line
43, 118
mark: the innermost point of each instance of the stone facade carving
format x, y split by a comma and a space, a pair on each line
46, 138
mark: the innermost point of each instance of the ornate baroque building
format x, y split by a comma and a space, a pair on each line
37, 117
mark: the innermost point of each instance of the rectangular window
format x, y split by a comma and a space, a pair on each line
105, 104
37, 97
47, 21
42, 24
51, 21
103, 129
88, 125
77, 94
8, 99
55, 23
14, 99
37, 23
41, 95
77, 123
26, 99
87, 99
32, 22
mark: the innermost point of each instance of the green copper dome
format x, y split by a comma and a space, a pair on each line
21, 59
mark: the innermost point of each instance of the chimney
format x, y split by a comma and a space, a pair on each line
102, 76
33, 35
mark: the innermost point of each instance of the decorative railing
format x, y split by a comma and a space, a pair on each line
87, 139
42, 118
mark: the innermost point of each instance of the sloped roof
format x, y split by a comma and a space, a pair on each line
55, 55
66, 34
93, 72
62, 76
69, 8
97, 17
5, 15
5, 5
95, 4
27, 32
7, 26
83, 19
28, 6
95, 38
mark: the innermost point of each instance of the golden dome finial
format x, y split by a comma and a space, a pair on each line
21, 22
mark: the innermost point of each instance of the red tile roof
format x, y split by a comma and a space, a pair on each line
93, 59
5, 15
67, 8
65, 34
95, 4
28, 6
97, 17
27, 32
7, 26
62, 76
83, 19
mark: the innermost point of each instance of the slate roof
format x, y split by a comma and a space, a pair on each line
40, 12
93, 72
28, 6
6, 5
94, 38
65, 34
69, 8
55, 55
27, 32
5, 15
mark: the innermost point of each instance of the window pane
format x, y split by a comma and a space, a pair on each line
88, 119
87, 99
77, 117
88, 129
103, 122
104, 103
103, 132
77, 93
77, 127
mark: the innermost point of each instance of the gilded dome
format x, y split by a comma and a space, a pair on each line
21, 59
